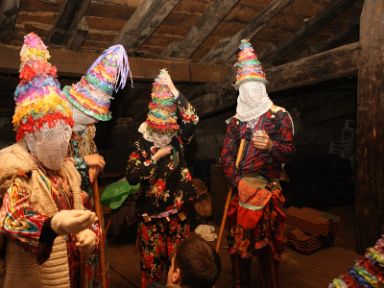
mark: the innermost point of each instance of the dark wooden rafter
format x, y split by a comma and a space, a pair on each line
146, 19
66, 30
332, 64
226, 47
334, 8
370, 120
78, 36
9, 10
212, 16
337, 39
75, 63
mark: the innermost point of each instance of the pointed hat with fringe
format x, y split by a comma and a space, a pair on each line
38, 97
93, 93
248, 67
161, 118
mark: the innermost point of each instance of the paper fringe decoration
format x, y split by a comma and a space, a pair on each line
161, 118
248, 67
92, 94
38, 96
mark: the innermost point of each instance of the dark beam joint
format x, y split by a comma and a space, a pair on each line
9, 10
227, 47
146, 19
67, 22
212, 16
273, 56
78, 37
336, 40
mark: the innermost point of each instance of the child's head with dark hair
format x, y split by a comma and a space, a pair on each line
196, 264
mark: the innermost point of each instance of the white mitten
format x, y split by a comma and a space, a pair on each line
86, 242
72, 221
206, 232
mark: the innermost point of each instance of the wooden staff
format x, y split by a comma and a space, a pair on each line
102, 257
228, 200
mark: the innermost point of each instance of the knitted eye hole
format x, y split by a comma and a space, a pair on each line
60, 133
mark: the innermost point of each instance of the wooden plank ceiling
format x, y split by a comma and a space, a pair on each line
196, 39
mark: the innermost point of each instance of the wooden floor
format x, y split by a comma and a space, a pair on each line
296, 270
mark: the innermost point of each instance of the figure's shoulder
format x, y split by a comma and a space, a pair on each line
15, 159
233, 121
280, 112
278, 109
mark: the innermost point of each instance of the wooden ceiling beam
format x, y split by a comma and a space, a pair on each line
228, 46
212, 16
9, 10
71, 63
336, 63
335, 7
369, 195
332, 64
78, 35
145, 20
337, 39
66, 28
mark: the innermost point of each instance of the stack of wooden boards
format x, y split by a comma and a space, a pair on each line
309, 230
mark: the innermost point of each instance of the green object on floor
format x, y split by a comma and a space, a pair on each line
117, 192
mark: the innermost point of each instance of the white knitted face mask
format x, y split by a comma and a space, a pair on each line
158, 140
253, 101
81, 120
50, 145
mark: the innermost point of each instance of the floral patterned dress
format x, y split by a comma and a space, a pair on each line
166, 188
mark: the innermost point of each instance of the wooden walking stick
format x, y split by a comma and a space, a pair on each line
102, 257
228, 200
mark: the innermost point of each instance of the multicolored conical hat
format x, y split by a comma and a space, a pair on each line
248, 67
93, 93
368, 271
38, 96
161, 118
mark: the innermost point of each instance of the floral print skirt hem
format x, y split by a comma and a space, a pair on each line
157, 242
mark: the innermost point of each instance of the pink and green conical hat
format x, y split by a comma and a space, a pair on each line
38, 97
161, 118
248, 67
93, 93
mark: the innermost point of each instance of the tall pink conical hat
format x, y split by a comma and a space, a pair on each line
38, 97
93, 93
161, 118
248, 67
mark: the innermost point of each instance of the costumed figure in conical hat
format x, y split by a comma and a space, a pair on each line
156, 161
90, 100
255, 220
42, 217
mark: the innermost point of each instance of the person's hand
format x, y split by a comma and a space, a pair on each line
261, 140
162, 152
86, 242
93, 172
72, 221
95, 160
168, 81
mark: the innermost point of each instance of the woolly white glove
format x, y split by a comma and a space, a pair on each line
206, 232
72, 221
86, 242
